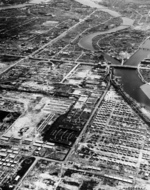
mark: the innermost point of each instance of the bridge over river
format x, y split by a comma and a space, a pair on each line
123, 66
128, 72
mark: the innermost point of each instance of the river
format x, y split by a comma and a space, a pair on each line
130, 80
140, 54
86, 41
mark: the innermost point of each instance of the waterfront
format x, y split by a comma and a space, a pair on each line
64, 123
142, 53
103, 8
86, 41
130, 80
131, 84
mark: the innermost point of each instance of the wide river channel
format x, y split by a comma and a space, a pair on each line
130, 80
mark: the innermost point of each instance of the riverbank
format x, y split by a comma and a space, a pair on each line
87, 41
141, 111
129, 79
